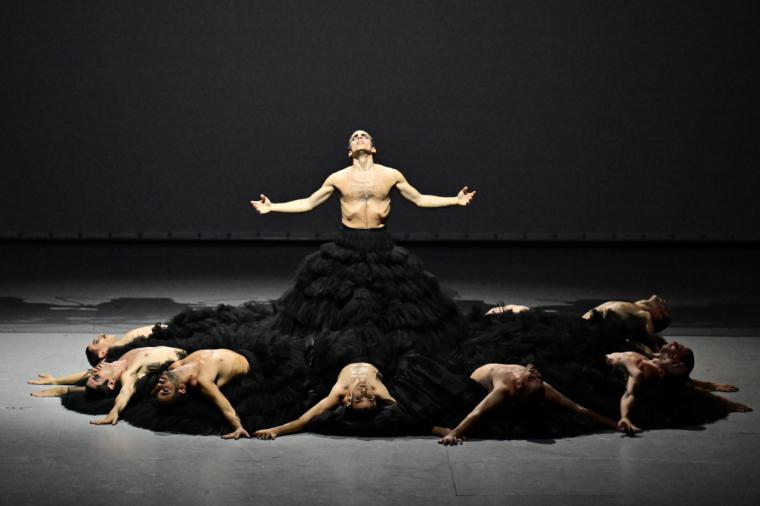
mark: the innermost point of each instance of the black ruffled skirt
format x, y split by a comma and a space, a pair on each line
362, 299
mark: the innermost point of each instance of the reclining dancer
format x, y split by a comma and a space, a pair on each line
654, 311
104, 377
505, 382
673, 363
359, 387
98, 348
208, 371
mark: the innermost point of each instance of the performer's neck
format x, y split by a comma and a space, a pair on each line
363, 161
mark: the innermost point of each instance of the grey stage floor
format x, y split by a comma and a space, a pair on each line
55, 297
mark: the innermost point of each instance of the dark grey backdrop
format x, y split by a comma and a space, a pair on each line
598, 119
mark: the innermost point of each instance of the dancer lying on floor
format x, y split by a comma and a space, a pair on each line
359, 387
509, 382
106, 376
654, 311
98, 348
673, 364
208, 371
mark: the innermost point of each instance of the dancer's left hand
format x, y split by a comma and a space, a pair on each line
451, 440
237, 434
111, 419
465, 195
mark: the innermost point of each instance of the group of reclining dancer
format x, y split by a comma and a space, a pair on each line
361, 306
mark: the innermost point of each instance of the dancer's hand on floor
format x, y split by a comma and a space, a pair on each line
738, 407
626, 426
725, 387
42, 379
110, 419
266, 434
451, 440
51, 392
237, 434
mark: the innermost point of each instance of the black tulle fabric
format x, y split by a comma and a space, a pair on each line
363, 299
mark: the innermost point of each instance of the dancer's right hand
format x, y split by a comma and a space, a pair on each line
263, 206
450, 440
42, 379
626, 426
266, 434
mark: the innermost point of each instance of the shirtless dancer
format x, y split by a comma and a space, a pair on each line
208, 371
506, 382
358, 387
674, 360
127, 370
654, 311
364, 189
98, 348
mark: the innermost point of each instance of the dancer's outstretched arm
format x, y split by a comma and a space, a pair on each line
212, 391
265, 206
410, 193
713, 387
627, 402
69, 379
735, 407
554, 397
326, 404
498, 395
128, 381
57, 391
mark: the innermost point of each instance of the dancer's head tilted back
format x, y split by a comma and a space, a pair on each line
658, 309
360, 142
361, 397
675, 360
530, 385
169, 388
98, 348
103, 380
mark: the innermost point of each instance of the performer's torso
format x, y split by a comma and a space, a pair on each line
365, 195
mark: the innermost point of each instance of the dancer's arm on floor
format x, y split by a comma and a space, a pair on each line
497, 396
265, 206
512, 308
57, 391
128, 381
326, 404
212, 391
411, 194
732, 406
556, 398
713, 387
69, 379
627, 402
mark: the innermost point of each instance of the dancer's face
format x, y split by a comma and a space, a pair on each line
360, 141
362, 396
673, 357
168, 388
99, 346
102, 374
531, 381
657, 306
